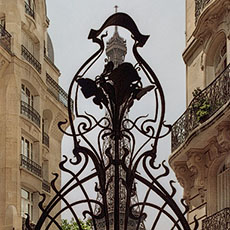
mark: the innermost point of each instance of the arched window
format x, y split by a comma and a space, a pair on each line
216, 60
220, 59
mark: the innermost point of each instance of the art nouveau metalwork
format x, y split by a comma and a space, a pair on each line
214, 95
116, 90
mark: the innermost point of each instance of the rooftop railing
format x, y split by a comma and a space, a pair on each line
31, 166
5, 39
30, 113
220, 221
57, 92
29, 10
201, 108
30, 58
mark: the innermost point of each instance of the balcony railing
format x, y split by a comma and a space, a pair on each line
5, 39
30, 113
31, 59
199, 7
218, 221
57, 92
31, 165
213, 96
29, 10
45, 139
46, 186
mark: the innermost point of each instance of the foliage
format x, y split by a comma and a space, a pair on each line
72, 225
201, 105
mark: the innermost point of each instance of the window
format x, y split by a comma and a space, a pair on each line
220, 60
27, 148
30, 3
27, 200
26, 96
223, 188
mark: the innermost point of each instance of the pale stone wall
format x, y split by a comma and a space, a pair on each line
198, 160
14, 71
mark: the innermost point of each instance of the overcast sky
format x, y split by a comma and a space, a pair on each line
71, 21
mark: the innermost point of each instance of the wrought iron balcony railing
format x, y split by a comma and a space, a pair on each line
46, 186
29, 10
199, 7
30, 113
5, 39
220, 221
31, 59
57, 92
45, 139
202, 107
24, 225
30, 165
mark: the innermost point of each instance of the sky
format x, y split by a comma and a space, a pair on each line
164, 21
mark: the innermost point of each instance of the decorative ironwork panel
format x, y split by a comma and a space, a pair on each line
30, 113
31, 165
31, 59
5, 39
213, 97
199, 7
28, 10
45, 139
220, 221
57, 92
46, 186
116, 90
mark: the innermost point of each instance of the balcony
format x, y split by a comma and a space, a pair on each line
5, 39
30, 113
30, 58
29, 10
45, 139
214, 96
199, 7
31, 165
57, 92
220, 221
46, 186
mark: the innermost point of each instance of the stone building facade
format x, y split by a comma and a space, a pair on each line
31, 105
201, 136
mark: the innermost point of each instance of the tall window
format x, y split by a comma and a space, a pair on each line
223, 188
26, 96
27, 203
3, 22
220, 60
27, 148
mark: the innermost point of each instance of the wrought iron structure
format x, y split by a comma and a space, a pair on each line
214, 96
57, 92
5, 39
30, 113
116, 90
219, 220
30, 165
45, 139
199, 7
31, 59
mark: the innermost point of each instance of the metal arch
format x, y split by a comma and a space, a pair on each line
116, 91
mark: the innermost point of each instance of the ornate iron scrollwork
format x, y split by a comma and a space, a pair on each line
116, 90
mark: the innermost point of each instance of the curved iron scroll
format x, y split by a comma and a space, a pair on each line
116, 161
